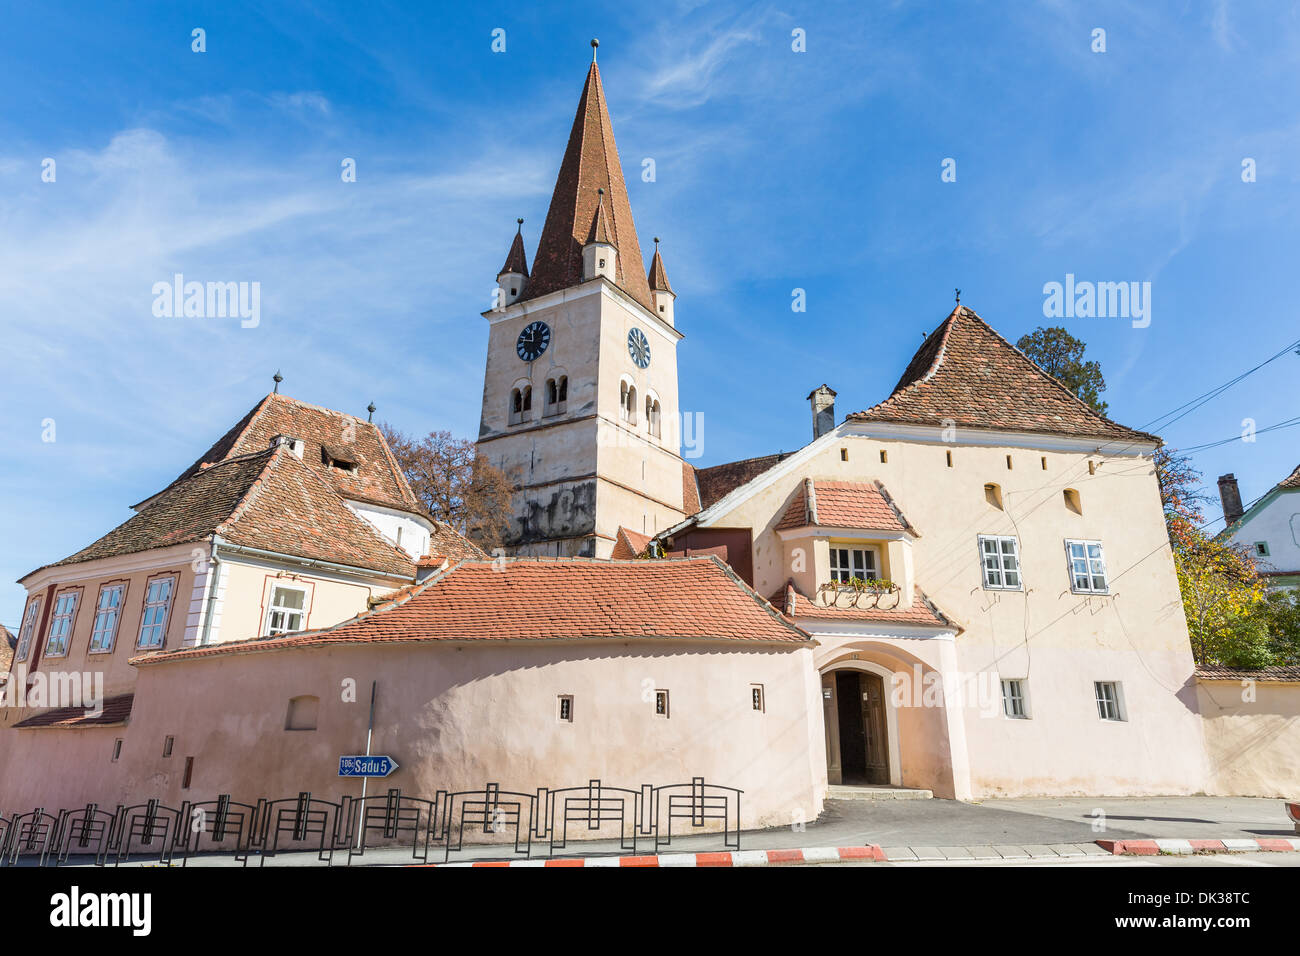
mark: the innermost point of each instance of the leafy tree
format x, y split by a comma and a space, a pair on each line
1060, 355
1222, 594
1281, 612
455, 484
1180, 484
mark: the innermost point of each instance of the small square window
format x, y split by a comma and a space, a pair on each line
1261, 548
1013, 699
661, 703
756, 697
1110, 700
167, 746
566, 708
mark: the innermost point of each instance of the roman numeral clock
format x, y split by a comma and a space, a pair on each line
638, 346
532, 341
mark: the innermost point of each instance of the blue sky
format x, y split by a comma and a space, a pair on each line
775, 170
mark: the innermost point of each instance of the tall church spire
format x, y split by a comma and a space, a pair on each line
590, 164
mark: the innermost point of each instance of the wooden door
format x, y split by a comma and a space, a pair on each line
831, 720
873, 720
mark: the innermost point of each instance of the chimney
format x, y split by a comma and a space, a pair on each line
1230, 495
295, 445
823, 409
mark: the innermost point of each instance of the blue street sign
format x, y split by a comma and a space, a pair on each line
363, 766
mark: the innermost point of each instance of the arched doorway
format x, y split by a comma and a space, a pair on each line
857, 727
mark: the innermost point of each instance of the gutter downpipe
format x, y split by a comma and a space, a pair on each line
214, 578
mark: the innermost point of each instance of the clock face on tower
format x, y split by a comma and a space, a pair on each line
533, 340
639, 348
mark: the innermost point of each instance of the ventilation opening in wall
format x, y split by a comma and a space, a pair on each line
189, 773
884, 457
844, 454
167, 746
993, 495
565, 711
117, 749
661, 703
1092, 467
303, 713
1008, 462
1044, 461
949, 454
1072, 501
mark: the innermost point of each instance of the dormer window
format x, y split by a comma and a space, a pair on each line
339, 458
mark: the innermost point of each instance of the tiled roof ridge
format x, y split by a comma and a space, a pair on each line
276, 455
898, 512
761, 601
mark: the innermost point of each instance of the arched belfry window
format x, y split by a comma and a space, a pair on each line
557, 395
521, 403
652, 413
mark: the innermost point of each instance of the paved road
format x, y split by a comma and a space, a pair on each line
1219, 859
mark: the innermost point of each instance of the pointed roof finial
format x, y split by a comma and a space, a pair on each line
371, 409
594, 44
521, 225
658, 277
277, 378
516, 261
958, 291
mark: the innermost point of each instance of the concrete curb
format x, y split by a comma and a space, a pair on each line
1156, 847
738, 858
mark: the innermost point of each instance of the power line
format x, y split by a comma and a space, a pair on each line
1289, 423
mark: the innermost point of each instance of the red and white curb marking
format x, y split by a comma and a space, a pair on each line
1156, 847
825, 854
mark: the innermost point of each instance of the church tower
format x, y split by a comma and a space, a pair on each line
580, 391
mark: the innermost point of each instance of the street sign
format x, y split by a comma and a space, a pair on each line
363, 766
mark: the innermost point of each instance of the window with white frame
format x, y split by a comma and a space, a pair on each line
1000, 556
757, 699
65, 608
1087, 567
157, 605
661, 703
849, 563
565, 711
26, 631
107, 613
1110, 700
1014, 703
286, 611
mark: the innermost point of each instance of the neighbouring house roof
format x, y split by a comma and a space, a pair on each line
690, 490
117, 710
271, 500
377, 479
546, 599
1285, 674
843, 504
865, 608
968, 375
1290, 483
629, 544
516, 260
717, 482
590, 163
451, 544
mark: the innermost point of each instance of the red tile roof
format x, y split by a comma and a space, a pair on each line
7, 644
718, 481
543, 599
271, 500
1292, 481
658, 277
117, 710
590, 163
377, 478
968, 374
863, 607
843, 504
629, 544
516, 260
690, 490
1287, 673
451, 544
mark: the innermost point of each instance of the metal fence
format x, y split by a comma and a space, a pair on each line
522, 824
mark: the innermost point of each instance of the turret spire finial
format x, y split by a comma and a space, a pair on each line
371, 409
958, 291
277, 378
594, 44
